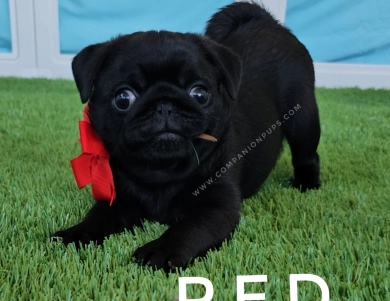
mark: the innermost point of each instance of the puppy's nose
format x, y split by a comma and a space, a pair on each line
164, 108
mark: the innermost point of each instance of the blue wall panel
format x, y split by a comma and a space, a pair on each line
5, 28
84, 22
346, 31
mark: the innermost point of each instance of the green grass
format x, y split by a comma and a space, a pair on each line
340, 232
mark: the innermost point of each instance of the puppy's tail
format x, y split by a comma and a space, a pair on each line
234, 16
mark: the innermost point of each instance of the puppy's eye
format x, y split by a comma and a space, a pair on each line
200, 95
124, 99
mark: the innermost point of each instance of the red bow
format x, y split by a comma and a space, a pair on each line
92, 166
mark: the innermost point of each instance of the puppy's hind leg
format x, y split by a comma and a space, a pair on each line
302, 130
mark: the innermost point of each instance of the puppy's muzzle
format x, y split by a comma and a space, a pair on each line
165, 109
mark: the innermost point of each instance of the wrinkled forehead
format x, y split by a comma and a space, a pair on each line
148, 57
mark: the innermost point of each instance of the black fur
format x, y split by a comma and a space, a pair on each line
261, 81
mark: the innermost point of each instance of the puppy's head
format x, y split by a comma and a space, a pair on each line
152, 94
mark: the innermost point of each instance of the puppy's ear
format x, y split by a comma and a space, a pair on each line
85, 66
229, 65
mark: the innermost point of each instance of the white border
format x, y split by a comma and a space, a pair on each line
14, 36
333, 75
51, 62
276, 7
22, 61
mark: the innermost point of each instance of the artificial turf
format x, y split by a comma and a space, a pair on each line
340, 232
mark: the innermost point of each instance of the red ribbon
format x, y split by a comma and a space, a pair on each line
92, 166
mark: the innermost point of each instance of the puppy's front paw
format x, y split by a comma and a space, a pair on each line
163, 253
77, 234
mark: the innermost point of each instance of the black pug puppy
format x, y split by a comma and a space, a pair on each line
248, 82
